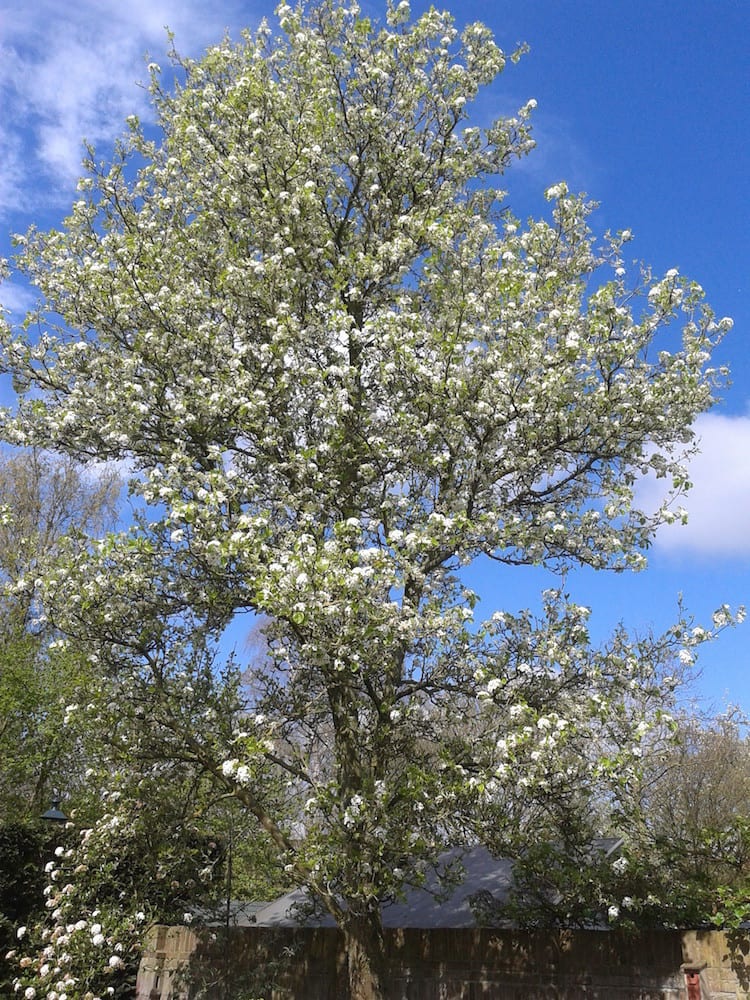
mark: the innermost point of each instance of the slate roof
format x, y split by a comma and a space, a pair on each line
430, 906
422, 907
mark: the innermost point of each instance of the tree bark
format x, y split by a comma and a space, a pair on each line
365, 957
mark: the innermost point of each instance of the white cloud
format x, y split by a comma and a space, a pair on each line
16, 298
719, 502
71, 71
12, 167
559, 153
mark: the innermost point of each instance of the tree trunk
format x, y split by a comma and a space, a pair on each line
365, 957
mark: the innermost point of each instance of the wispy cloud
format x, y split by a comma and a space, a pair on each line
559, 155
12, 166
17, 299
719, 502
70, 72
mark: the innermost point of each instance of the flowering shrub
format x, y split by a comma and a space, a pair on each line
107, 884
84, 948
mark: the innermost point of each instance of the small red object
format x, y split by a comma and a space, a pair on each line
693, 983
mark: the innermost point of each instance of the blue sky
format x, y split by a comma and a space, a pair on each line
644, 105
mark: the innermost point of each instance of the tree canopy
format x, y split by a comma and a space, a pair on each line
340, 371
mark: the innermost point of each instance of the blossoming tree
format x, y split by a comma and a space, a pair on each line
41, 500
341, 372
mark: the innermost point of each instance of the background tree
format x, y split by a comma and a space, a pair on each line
689, 858
63, 727
148, 817
42, 500
341, 371
45, 498
678, 851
